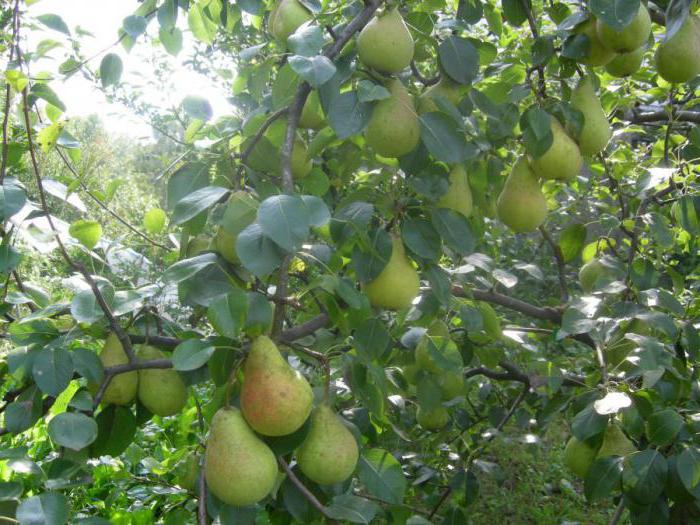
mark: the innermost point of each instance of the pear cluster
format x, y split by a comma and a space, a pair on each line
161, 391
276, 400
580, 455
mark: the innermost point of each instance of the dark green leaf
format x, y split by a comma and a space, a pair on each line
116, 429
459, 59
663, 426
72, 430
54, 22
587, 423
347, 115
381, 474
353, 509
285, 219
12, 198
110, 69
195, 203
49, 508
603, 478
227, 313
315, 70
616, 13
371, 340
454, 229
443, 138
258, 253
52, 370
421, 238
644, 475
191, 354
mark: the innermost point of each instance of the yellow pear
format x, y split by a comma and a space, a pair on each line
625, 64
562, 161
329, 453
629, 38
241, 210
678, 59
162, 391
445, 88
521, 205
578, 456
597, 54
385, 43
393, 129
312, 113
596, 131
275, 398
459, 195
397, 284
433, 419
122, 388
239, 468
286, 17
615, 443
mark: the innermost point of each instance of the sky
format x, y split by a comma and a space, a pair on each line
103, 18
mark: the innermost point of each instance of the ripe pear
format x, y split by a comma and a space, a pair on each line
385, 43
162, 391
433, 419
521, 205
239, 468
615, 443
445, 88
451, 356
312, 113
597, 54
589, 274
629, 38
625, 64
596, 131
241, 210
275, 398
459, 195
329, 453
393, 129
122, 388
578, 456
678, 59
562, 161
397, 284
286, 17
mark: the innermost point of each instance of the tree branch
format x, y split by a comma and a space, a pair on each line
425, 81
302, 488
258, 135
561, 267
8, 93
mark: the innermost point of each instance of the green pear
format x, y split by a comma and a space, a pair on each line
312, 113
579, 456
625, 64
629, 38
459, 195
275, 399
596, 131
615, 443
445, 88
521, 205
329, 453
122, 388
385, 43
161, 391
451, 385
434, 419
397, 284
266, 155
589, 274
286, 17
562, 161
393, 129
678, 58
241, 210
597, 53
239, 468
450, 358
197, 245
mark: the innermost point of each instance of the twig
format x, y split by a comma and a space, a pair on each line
561, 266
618, 512
8, 92
425, 81
258, 135
302, 488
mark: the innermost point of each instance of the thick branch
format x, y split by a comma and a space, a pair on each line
661, 115
545, 313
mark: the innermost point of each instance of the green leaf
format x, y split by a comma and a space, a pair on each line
306, 41
687, 213
54, 22
284, 219
197, 107
10, 490
353, 509
444, 139
196, 202
368, 91
316, 70
259, 317
134, 26
587, 423
44, 92
677, 11
186, 268
369, 261
459, 59
421, 238
603, 478
227, 313
618, 14
572, 240
258, 253
644, 475
347, 115
371, 339
52, 370
88, 364
191, 354
663, 426
110, 69
49, 508
167, 14
9, 258
381, 474
316, 210
454, 229
88, 233
203, 28
171, 40
72, 430
116, 429
350, 220
84, 306
536, 126
688, 467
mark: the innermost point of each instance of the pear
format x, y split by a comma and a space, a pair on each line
678, 58
459, 195
451, 384
596, 131
445, 88
451, 356
393, 129
241, 210
397, 284
385, 43
312, 114
579, 456
589, 274
329, 453
266, 155
562, 161
410, 373
630, 37
626, 64
286, 17
433, 419
275, 398
597, 54
122, 388
162, 391
615, 443
239, 468
521, 205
